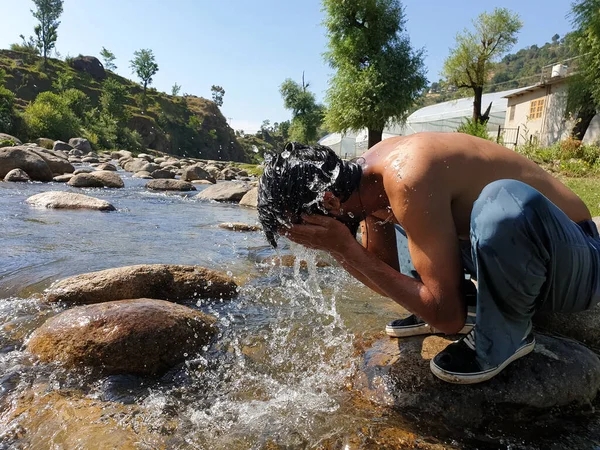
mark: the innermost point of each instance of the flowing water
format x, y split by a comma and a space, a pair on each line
276, 377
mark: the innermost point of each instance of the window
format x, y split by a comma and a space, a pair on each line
536, 109
511, 117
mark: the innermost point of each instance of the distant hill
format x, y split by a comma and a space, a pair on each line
164, 126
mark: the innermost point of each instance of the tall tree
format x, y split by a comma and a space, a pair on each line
471, 62
144, 66
47, 13
217, 94
584, 88
307, 114
109, 59
378, 74
175, 89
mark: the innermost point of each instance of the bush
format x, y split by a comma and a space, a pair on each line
474, 129
77, 101
7, 107
51, 115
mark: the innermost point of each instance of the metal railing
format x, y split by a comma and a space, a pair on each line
509, 137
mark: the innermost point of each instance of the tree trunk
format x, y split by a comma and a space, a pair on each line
584, 118
145, 84
478, 90
374, 137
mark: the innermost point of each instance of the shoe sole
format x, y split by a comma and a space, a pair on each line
419, 330
460, 378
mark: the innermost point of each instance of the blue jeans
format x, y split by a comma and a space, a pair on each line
526, 255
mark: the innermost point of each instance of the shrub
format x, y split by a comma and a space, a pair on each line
6, 143
474, 129
571, 148
77, 101
51, 115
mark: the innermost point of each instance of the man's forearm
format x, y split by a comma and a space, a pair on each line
408, 292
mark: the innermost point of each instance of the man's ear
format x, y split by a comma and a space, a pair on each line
331, 203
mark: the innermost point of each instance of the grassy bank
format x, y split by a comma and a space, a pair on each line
588, 189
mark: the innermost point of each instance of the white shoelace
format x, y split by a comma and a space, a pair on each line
469, 339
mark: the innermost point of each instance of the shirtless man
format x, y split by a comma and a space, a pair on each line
465, 205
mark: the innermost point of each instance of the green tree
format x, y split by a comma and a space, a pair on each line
51, 115
113, 100
378, 74
64, 80
7, 105
47, 13
307, 114
109, 59
584, 88
144, 66
175, 90
471, 62
217, 95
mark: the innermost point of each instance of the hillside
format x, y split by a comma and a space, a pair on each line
185, 126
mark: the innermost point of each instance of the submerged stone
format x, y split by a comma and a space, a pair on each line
228, 191
68, 200
140, 336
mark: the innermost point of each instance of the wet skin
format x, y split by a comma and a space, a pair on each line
426, 182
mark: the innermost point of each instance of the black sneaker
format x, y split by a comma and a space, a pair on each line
414, 326
458, 362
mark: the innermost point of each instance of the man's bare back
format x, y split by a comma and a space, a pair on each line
456, 167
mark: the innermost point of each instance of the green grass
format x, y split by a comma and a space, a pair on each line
588, 189
252, 169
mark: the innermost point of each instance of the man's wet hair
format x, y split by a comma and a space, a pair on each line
295, 180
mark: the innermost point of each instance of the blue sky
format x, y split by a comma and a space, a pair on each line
249, 47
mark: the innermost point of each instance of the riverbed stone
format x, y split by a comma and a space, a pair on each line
12, 139
163, 281
63, 146
84, 170
17, 176
163, 174
138, 165
59, 165
68, 200
63, 178
142, 174
582, 326
138, 336
228, 191
121, 154
170, 185
559, 373
239, 226
80, 144
21, 157
85, 180
109, 178
90, 160
250, 198
196, 172
107, 166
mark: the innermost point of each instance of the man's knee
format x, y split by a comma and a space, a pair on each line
501, 210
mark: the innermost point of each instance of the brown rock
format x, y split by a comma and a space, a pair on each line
85, 180
164, 281
62, 178
107, 166
229, 191
68, 200
140, 336
58, 164
17, 176
163, 174
109, 179
170, 185
250, 199
21, 157
238, 226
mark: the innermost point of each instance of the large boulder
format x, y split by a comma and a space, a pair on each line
142, 174
91, 65
85, 180
80, 144
121, 154
17, 176
170, 185
164, 281
62, 146
140, 336
582, 326
62, 178
196, 172
228, 191
250, 199
68, 200
21, 157
11, 139
45, 143
139, 165
559, 373
163, 174
107, 166
59, 165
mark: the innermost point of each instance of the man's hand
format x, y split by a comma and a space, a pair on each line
321, 233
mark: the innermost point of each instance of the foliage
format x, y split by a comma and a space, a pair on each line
50, 115
144, 66
109, 59
78, 101
470, 63
7, 143
47, 13
307, 114
217, 95
474, 129
28, 47
7, 105
378, 74
63, 81
175, 90
113, 100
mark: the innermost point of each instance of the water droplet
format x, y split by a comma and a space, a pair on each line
229, 273
285, 154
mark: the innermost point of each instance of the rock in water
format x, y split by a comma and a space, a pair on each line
163, 281
17, 175
85, 180
558, 373
60, 145
238, 226
140, 336
228, 191
99, 178
81, 144
23, 158
58, 164
250, 199
170, 185
68, 200
196, 172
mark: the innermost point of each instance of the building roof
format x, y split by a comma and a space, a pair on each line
537, 86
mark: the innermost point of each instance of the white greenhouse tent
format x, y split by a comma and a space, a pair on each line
447, 116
